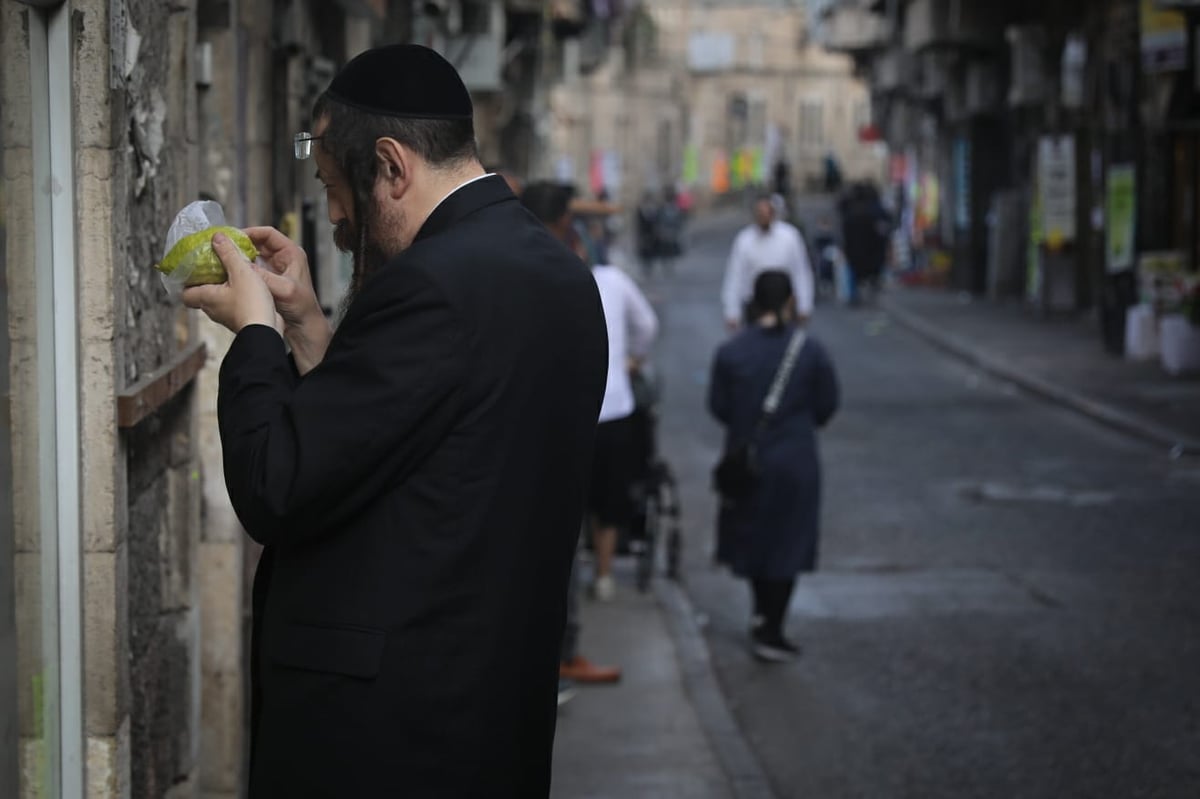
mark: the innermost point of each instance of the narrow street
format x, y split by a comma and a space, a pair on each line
1007, 602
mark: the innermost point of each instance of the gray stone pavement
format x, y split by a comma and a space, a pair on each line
641, 738
1060, 359
1007, 602
1006, 605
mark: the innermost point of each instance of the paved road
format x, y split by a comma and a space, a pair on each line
1009, 600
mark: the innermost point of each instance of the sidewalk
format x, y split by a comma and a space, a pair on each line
1059, 359
650, 736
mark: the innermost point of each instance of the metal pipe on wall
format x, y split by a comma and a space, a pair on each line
66, 399
46, 680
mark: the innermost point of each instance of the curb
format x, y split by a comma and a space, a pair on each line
1178, 443
737, 758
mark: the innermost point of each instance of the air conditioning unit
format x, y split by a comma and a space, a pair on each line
953, 23
292, 27
1027, 82
470, 34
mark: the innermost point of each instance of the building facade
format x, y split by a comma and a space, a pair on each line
706, 96
762, 90
1042, 150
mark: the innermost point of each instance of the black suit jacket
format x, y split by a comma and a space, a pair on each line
419, 494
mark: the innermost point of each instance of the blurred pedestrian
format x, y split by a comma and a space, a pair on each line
669, 230
866, 228
646, 231
781, 182
632, 326
833, 174
772, 387
416, 479
826, 246
768, 243
684, 200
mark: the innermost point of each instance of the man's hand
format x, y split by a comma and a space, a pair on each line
242, 301
287, 276
733, 325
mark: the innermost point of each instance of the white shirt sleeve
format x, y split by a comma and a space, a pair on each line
640, 317
733, 290
802, 276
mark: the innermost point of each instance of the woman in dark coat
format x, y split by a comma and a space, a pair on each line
771, 536
866, 226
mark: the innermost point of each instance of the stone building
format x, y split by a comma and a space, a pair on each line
1060, 139
123, 590
762, 89
704, 94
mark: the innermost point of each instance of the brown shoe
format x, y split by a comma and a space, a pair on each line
578, 669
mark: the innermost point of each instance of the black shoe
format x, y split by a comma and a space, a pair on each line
773, 648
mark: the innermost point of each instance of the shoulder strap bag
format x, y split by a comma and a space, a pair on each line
737, 472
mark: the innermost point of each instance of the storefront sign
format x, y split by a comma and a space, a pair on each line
962, 183
1164, 39
1033, 254
1074, 69
1121, 202
1056, 182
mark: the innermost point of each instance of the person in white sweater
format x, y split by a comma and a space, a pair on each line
767, 244
632, 327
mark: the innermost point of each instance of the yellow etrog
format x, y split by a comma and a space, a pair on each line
193, 256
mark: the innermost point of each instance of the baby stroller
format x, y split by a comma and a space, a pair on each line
654, 532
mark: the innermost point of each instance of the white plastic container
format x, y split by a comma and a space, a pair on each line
1141, 333
1180, 343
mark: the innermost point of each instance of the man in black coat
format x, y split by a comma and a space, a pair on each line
417, 477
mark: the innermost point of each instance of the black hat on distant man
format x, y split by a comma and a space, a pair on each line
403, 80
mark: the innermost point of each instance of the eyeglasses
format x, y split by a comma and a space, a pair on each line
302, 144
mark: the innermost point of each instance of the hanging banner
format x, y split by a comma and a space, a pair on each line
720, 173
738, 170
691, 165
1164, 39
1121, 211
564, 169
758, 165
1056, 186
962, 183
611, 171
596, 172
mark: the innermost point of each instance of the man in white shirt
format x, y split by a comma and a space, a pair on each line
767, 244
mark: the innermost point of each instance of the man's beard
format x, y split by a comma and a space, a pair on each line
366, 251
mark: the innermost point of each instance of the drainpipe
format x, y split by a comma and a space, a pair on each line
58, 382
66, 401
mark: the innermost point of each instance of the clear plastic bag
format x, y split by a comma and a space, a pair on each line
195, 217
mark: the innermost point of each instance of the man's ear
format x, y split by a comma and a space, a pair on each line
395, 166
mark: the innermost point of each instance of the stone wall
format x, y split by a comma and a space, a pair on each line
163, 471
165, 564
